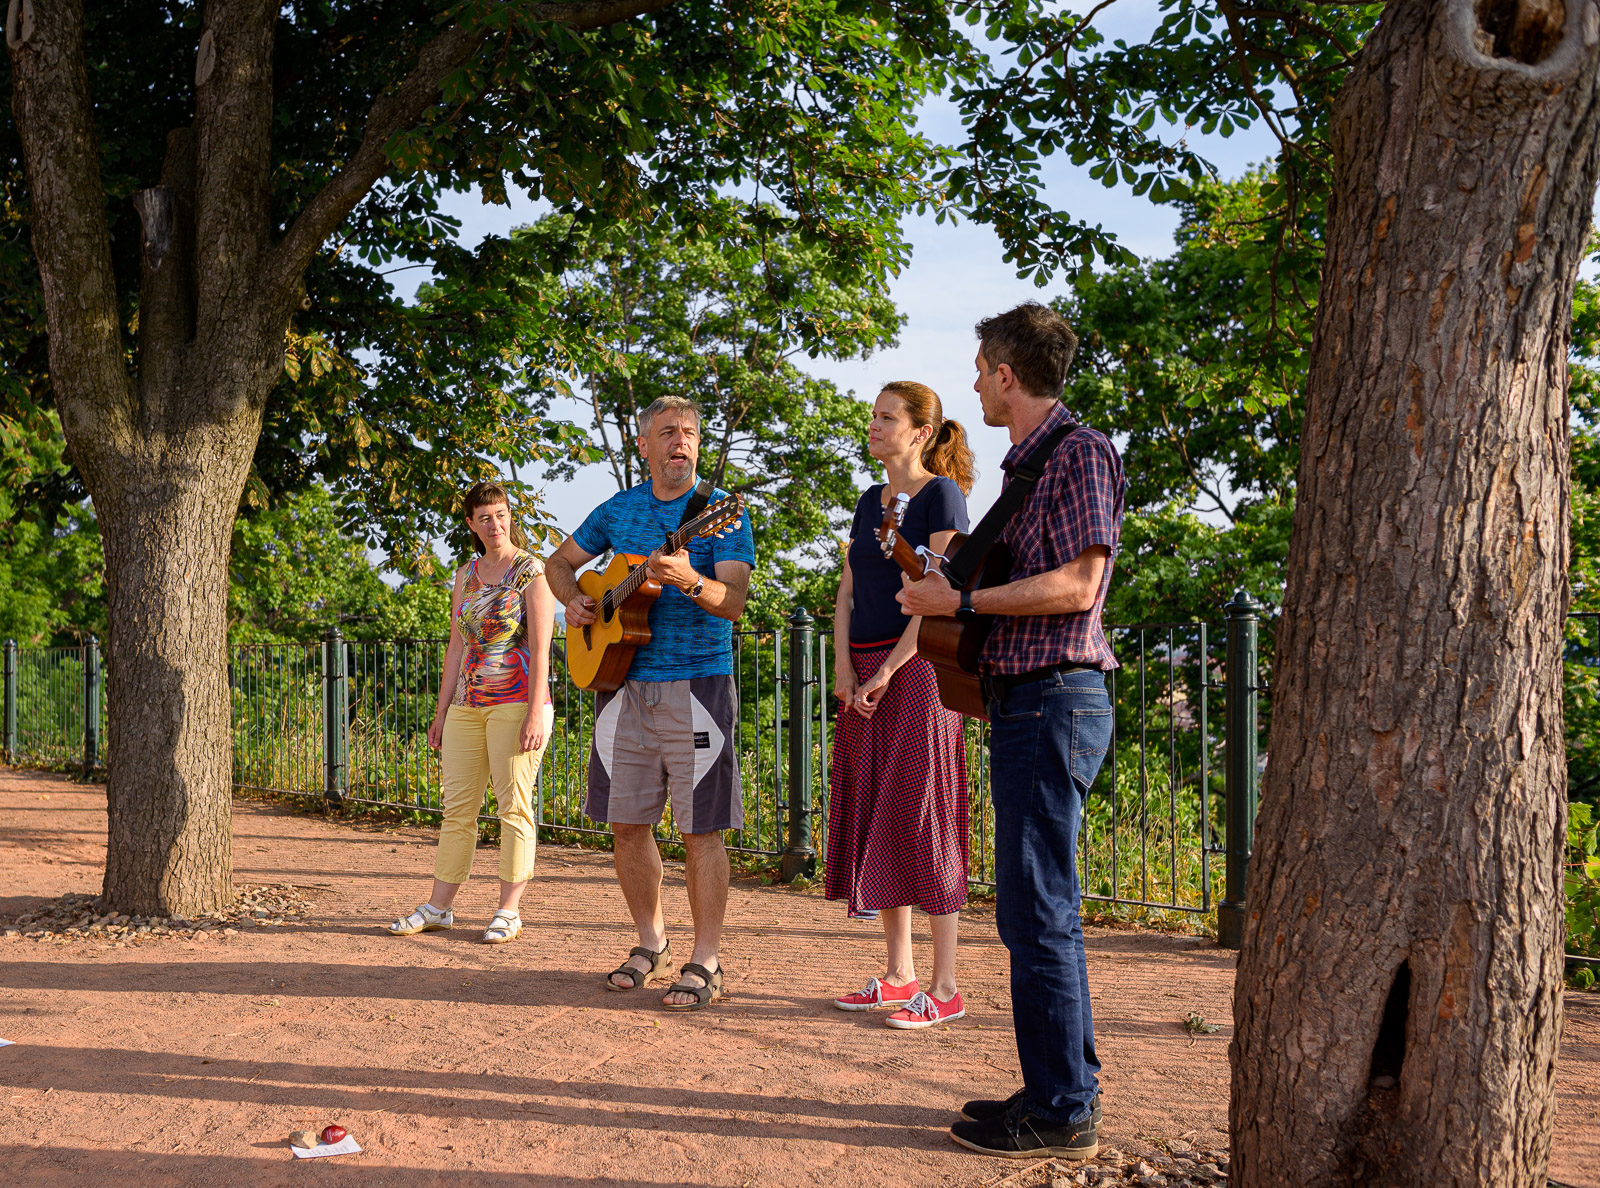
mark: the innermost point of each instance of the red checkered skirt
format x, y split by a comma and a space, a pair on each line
897, 796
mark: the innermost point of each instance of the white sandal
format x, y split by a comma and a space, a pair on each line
426, 918
506, 926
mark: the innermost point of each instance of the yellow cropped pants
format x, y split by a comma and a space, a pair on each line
480, 745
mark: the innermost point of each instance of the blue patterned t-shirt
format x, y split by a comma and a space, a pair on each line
685, 641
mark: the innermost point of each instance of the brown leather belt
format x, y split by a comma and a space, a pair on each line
997, 685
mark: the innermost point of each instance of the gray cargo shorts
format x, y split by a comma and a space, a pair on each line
652, 737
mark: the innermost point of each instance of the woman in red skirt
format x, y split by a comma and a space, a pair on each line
897, 807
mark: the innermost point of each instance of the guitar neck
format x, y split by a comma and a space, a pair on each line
908, 559
629, 586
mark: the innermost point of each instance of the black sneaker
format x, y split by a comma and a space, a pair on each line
983, 1108
1021, 1134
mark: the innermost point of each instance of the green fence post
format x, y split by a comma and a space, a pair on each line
799, 858
1239, 762
11, 701
335, 687
91, 707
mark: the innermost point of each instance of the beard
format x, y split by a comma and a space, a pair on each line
676, 470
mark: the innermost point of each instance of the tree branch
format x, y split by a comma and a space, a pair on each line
233, 158
70, 239
401, 109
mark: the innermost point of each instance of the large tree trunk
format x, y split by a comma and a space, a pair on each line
1398, 1001
167, 527
165, 450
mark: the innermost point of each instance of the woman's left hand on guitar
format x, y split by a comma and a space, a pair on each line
933, 595
671, 569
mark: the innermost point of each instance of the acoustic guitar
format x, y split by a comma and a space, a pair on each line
950, 644
600, 653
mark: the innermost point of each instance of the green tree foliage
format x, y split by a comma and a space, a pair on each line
296, 572
1124, 110
653, 309
396, 407
52, 590
1184, 360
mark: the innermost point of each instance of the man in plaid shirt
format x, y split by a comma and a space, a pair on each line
1050, 722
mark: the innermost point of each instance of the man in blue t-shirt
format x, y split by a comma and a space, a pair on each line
670, 728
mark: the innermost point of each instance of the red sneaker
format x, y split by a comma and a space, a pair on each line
924, 1011
878, 994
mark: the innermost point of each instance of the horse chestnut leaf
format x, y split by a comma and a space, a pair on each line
332, 1134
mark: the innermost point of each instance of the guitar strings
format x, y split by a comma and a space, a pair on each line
628, 586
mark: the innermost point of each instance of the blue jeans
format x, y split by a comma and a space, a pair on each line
1046, 743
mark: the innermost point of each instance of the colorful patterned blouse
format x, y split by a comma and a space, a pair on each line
495, 665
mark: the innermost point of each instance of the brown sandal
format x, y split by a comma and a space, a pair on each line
660, 962
703, 995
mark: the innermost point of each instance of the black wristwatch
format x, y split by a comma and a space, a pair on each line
697, 589
965, 610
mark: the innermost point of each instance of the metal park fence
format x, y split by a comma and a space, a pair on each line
1167, 824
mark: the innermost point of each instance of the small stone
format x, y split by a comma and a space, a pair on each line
303, 1138
1179, 1147
1143, 1169
230, 932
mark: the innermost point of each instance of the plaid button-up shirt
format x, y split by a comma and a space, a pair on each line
1076, 504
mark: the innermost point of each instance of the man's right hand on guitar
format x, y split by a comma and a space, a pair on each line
580, 611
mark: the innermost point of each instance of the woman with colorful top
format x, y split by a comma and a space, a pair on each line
897, 808
494, 715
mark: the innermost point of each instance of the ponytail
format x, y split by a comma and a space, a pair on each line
946, 452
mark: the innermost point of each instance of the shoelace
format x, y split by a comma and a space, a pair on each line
921, 1004
873, 990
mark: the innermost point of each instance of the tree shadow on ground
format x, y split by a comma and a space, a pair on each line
456, 1093
26, 1165
341, 982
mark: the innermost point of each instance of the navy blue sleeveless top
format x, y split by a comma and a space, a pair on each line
875, 616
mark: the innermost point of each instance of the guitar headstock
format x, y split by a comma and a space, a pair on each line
893, 516
721, 518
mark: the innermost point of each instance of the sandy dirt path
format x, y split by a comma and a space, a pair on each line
177, 1062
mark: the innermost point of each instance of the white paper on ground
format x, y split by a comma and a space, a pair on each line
6, 1043
345, 1146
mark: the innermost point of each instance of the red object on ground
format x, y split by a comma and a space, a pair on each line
332, 1134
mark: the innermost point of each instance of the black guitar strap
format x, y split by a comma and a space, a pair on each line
1024, 475
697, 502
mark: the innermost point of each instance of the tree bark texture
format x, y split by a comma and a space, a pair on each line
1398, 999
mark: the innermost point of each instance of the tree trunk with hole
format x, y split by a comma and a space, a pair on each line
1398, 998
